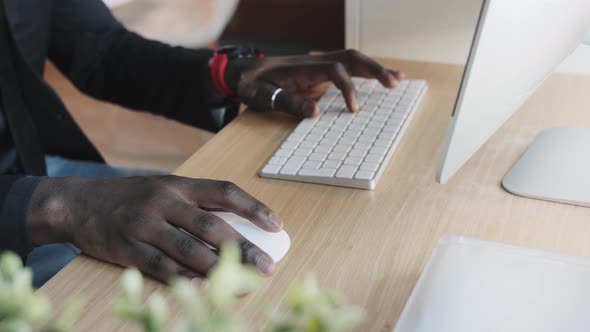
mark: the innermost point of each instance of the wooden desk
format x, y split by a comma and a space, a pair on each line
371, 245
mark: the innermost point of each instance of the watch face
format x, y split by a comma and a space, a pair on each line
238, 52
227, 49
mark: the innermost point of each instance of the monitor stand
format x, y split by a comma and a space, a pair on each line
555, 167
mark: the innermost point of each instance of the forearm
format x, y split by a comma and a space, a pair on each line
152, 76
108, 62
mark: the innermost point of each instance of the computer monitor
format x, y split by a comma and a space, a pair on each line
516, 46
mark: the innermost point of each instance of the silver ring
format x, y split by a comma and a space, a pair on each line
273, 98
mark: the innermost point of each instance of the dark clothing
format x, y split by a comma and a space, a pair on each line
103, 60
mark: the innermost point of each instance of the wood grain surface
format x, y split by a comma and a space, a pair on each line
372, 245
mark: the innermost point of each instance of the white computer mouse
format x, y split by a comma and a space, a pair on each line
275, 245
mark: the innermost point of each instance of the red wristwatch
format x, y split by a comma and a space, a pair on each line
219, 62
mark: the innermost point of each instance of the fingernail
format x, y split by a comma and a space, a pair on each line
307, 108
265, 264
199, 282
276, 221
355, 106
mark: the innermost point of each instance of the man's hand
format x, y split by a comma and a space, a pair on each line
255, 80
136, 221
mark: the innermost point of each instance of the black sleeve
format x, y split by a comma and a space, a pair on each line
108, 62
15, 194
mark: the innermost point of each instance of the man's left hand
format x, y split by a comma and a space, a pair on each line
256, 80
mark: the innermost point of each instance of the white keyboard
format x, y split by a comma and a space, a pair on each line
348, 149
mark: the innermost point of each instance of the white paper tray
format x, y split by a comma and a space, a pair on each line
470, 285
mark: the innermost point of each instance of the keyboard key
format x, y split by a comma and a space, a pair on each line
292, 166
328, 141
380, 117
391, 130
277, 160
332, 109
271, 169
307, 145
318, 156
384, 111
358, 153
372, 103
302, 152
391, 100
369, 166
329, 116
382, 142
375, 125
324, 103
342, 148
295, 138
289, 145
371, 131
303, 129
344, 119
364, 175
355, 127
347, 141
312, 165
353, 134
332, 164
353, 161
378, 150
346, 172
284, 153
309, 121
322, 149
366, 139
323, 172
339, 103
374, 158
333, 135
362, 146
337, 156
338, 131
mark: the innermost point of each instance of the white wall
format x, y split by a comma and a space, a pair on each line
426, 30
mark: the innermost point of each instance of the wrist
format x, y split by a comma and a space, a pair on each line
51, 214
227, 67
232, 75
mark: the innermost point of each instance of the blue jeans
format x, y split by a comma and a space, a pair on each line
45, 261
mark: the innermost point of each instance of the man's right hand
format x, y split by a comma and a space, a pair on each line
136, 221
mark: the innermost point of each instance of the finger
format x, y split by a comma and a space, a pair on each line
215, 231
296, 104
339, 76
285, 101
153, 262
398, 74
228, 196
182, 247
334, 72
361, 65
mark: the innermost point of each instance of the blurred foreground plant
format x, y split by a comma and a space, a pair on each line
210, 309
204, 309
311, 309
23, 309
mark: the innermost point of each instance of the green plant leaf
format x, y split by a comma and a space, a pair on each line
230, 278
10, 265
156, 313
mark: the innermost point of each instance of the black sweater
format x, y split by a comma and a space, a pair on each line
103, 60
